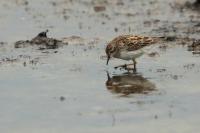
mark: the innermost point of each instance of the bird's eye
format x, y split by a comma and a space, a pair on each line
112, 51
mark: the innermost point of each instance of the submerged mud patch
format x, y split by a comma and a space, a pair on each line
194, 47
42, 41
193, 6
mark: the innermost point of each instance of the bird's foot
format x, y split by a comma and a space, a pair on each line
125, 67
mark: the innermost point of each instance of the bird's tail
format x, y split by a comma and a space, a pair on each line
166, 38
159, 40
162, 40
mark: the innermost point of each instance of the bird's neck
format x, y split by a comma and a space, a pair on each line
116, 54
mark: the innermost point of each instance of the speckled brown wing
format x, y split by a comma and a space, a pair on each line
137, 42
130, 43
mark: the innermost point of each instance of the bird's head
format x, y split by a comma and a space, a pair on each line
110, 51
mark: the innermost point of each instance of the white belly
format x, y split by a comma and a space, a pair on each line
130, 55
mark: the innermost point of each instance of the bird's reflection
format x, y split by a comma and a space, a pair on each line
129, 83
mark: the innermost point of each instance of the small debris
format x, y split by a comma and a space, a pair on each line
161, 70
53, 3
163, 47
195, 46
24, 64
22, 2
130, 14
99, 8
116, 29
175, 77
120, 3
170, 38
187, 5
103, 23
155, 117
2, 43
147, 23
34, 61
9, 60
189, 66
153, 54
62, 98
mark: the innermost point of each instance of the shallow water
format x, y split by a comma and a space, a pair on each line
66, 89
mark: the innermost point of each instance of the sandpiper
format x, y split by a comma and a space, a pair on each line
129, 47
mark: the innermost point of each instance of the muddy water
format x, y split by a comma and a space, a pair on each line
70, 89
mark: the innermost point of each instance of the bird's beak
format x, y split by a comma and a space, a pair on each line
108, 58
108, 76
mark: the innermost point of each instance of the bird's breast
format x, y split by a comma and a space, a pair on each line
129, 55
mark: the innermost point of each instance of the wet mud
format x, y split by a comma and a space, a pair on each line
58, 81
42, 41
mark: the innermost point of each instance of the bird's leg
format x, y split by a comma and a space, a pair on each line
134, 65
125, 66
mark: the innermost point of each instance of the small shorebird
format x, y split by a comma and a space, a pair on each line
129, 47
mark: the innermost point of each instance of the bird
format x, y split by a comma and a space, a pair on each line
129, 47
